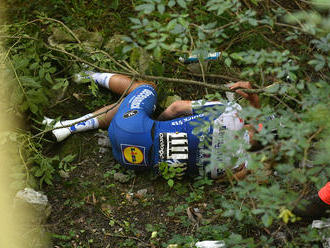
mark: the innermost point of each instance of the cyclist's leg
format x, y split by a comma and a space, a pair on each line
117, 83
84, 123
105, 118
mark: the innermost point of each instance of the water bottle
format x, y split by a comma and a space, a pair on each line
194, 58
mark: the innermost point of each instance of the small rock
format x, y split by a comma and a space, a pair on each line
324, 231
120, 177
31, 196
141, 193
103, 151
103, 139
281, 238
35, 203
61, 37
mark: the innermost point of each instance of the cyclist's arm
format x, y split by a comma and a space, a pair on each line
176, 109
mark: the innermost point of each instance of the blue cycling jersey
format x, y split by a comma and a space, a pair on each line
138, 142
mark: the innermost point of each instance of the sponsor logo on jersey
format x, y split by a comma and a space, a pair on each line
136, 102
184, 120
133, 155
162, 147
130, 113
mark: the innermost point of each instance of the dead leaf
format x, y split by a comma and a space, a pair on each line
194, 215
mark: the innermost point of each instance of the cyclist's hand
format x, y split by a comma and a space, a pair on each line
251, 97
244, 85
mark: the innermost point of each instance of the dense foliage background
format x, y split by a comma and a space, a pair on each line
281, 46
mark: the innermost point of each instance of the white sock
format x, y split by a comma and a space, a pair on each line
92, 123
62, 133
102, 79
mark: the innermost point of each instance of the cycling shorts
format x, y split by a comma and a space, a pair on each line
130, 129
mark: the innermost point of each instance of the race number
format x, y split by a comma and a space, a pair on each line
173, 146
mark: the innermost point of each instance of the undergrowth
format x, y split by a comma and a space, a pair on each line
283, 50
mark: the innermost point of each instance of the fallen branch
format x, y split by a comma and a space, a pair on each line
155, 78
214, 76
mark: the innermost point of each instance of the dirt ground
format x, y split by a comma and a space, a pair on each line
92, 209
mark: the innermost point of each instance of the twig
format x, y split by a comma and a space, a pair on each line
202, 69
4, 59
215, 29
58, 102
299, 5
324, 4
271, 42
244, 35
19, 81
98, 51
308, 144
292, 111
148, 77
65, 26
125, 237
293, 99
273, 1
214, 76
115, 61
130, 67
25, 165
203, 74
17, 37
289, 26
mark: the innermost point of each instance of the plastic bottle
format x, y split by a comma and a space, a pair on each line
194, 58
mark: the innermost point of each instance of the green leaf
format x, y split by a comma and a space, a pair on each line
267, 220
52, 70
33, 108
135, 21
171, 3
239, 215
48, 180
57, 86
161, 8
146, 8
127, 48
48, 78
300, 85
170, 182
157, 53
272, 88
127, 39
151, 46
257, 211
38, 172
182, 3
228, 62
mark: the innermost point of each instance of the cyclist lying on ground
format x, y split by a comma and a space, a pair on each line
139, 142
